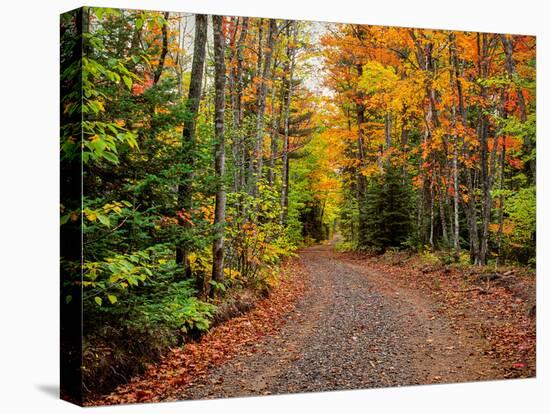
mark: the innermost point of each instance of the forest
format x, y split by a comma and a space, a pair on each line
214, 149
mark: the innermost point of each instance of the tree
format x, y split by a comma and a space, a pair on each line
388, 210
288, 81
219, 110
185, 188
164, 51
458, 103
262, 90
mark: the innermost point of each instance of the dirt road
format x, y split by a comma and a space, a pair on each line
353, 328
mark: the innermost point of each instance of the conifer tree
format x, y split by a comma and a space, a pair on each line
388, 210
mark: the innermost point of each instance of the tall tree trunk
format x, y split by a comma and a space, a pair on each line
470, 204
164, 49
432, 213
501, 205
179, 61
425, 60
262, 91
185, 188
511, 69
441, 194
456, 229
455, 175
275, 125
483, 133
232, 86
219, 164
360, 176
388, 130
251, 147
237, 109
404, 149
291, 54
471, 213
500, 161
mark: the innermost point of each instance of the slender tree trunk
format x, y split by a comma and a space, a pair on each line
185, 187
291, 54
164, 50
251, 147
511, 69
456, 233
262, 90
470, 204
404, 149
501, 205
362, 238
425, 60
179, 61
388, 129
485, 188
441, 202
483, 133
275, 125
237, 109
502, 160
361, 179
432, 202
471, 212
219, 164
455, 175
232, 87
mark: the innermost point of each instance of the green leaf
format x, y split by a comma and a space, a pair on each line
68, 299
65, 218
139, 23
109, 156
99, 12
112, 298
104, 220
98, 300
128, 81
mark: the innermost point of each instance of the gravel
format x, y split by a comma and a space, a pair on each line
346, 332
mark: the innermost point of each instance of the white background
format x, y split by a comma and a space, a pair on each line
29, 195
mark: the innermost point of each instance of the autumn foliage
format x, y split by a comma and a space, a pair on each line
212, 147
